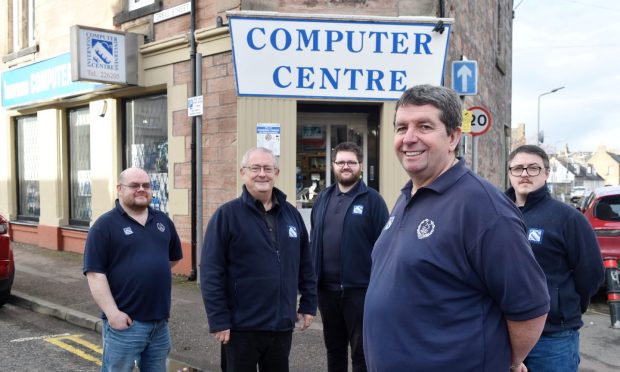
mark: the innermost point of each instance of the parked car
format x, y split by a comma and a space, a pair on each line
7, 264
602, 209
577, 193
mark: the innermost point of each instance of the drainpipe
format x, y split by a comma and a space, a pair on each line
192, 55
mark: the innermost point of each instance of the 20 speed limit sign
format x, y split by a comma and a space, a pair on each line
480, 121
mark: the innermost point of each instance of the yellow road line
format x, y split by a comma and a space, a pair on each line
58, 341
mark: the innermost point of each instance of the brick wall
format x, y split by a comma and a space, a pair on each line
219, 136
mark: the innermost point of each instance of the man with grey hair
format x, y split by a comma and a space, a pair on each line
255, 258
454, 284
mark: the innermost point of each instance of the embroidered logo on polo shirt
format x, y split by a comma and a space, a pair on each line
161, 227
535, 235
426, 229
388, 223
292, 232
358, 209
127, 230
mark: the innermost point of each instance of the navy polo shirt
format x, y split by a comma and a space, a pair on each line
451, 265
136, 261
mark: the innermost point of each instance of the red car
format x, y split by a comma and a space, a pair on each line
602, 209
7, 265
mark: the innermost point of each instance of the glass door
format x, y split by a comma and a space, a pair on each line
317, 135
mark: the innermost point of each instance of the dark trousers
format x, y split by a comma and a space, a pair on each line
246, 350
342, 313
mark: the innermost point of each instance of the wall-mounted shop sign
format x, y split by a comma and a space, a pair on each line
41, 81
105, 56
370, 58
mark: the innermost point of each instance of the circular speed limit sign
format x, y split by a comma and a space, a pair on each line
480, 121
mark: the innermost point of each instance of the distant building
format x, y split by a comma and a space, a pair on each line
566, 173
517, 136
607, 165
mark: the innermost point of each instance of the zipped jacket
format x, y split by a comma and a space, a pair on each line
249, 283
566, 248
362, 225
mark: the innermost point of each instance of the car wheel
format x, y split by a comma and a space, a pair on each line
4, 296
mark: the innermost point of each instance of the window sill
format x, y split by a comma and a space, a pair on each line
20, 53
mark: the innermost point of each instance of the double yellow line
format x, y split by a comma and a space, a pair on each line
60, 341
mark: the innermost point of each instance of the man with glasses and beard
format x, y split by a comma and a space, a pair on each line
565, 247
346, 218
255, 258
127, 260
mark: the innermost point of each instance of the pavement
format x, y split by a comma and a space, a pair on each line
52, 283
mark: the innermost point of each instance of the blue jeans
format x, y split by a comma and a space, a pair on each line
145, 344
555, 352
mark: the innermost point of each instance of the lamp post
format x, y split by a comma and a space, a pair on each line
538, 121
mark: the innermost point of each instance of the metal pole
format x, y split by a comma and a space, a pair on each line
198, 170
192, 56
538, 120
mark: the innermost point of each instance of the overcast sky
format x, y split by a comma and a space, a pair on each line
571, 43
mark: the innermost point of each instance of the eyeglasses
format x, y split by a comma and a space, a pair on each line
349, 163
530, 170
135, 186
268, 169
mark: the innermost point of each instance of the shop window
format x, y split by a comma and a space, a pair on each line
146, 143
79, 167
28, 156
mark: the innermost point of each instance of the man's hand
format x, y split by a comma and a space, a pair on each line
518, 368
222, 336
307, 320
119, 320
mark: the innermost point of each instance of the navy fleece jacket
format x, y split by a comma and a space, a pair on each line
249, 283
565, 247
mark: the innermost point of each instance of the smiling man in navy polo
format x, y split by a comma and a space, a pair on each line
454, 284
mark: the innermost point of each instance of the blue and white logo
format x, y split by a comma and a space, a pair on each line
161, 227
127, 230
292, 232
535, 235
425, 229
358, 209
103, 51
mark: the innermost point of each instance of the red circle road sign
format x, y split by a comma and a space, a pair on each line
481, 120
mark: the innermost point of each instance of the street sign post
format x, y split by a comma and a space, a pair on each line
465, 77
480, 120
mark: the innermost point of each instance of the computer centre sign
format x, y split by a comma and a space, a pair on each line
366, 58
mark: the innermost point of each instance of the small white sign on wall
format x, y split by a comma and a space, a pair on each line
137, 4
268, 136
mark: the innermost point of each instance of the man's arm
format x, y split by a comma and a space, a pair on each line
523, 336
100, 289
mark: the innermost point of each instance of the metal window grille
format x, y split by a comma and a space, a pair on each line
79, 165
146, 143
28, 168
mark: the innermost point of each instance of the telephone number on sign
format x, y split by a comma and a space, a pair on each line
104, 75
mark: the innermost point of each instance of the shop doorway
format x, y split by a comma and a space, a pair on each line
319, 130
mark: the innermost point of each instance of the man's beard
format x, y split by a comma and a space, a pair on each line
348, 181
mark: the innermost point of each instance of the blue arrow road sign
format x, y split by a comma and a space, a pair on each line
465, 77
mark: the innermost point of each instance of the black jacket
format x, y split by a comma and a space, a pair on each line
360, 231
247, 282
566, 248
